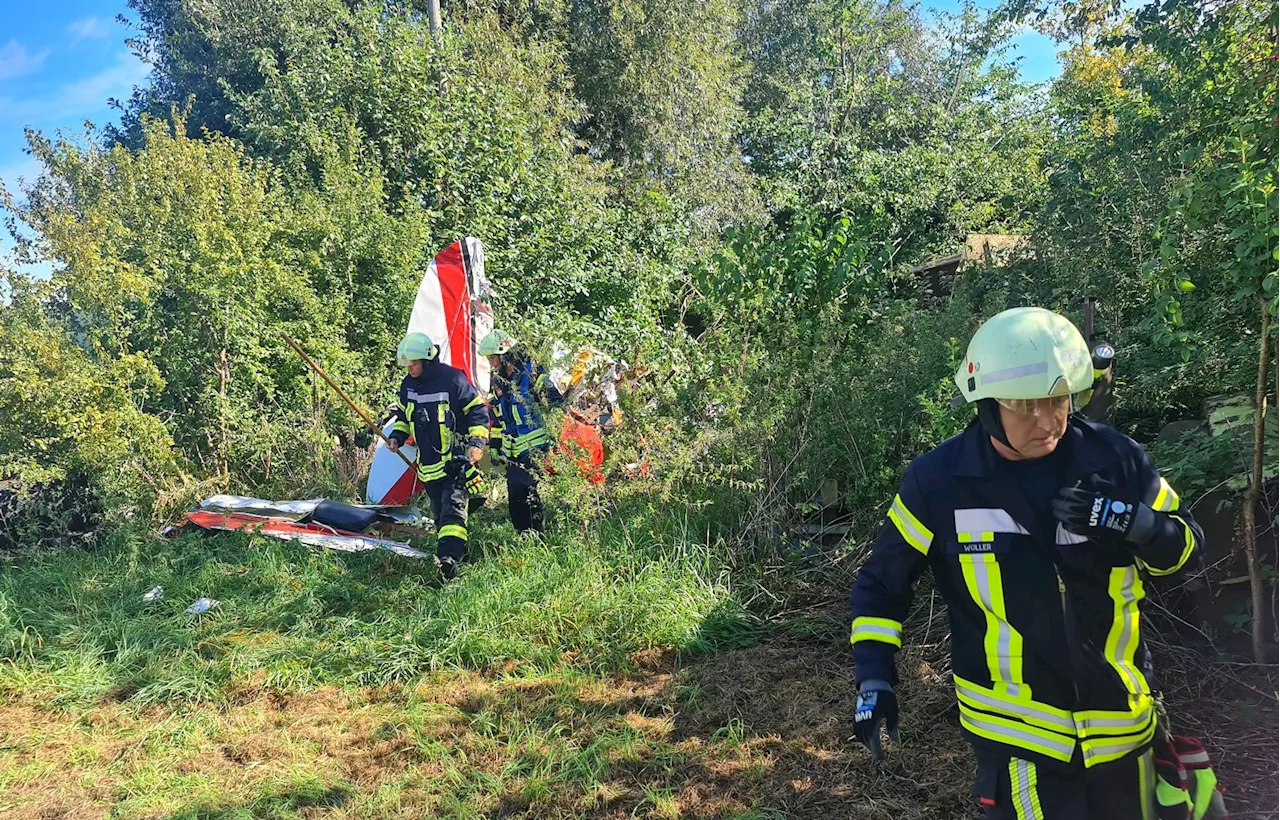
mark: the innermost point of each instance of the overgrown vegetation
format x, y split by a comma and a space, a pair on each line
731, 193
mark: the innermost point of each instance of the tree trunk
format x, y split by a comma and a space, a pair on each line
224, 376
1261, 607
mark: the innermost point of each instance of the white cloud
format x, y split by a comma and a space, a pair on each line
80, 99
88, 28
16, 61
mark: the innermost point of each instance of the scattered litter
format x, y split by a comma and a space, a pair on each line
202, 605
154, 594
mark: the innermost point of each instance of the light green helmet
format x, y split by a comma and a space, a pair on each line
1025, 354
497, 343
415, 346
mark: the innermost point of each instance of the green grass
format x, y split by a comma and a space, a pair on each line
74, 628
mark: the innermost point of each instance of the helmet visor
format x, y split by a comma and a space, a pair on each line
1050, 405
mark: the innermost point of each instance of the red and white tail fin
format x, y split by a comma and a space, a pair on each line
452, 308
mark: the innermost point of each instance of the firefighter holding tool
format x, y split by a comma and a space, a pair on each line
438, 406
1040, 528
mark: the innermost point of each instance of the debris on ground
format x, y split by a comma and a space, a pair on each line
202, 605
317, 522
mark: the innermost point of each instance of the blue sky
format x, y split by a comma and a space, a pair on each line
61, 63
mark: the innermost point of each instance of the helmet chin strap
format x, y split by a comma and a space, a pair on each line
989, 417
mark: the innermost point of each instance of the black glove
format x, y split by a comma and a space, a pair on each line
873, 707
1100, 510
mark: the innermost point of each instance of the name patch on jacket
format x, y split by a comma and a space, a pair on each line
977, 548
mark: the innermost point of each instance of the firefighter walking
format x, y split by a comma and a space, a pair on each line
1040, 529
449, 422
521, 391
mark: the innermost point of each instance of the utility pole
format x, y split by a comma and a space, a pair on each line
433, 18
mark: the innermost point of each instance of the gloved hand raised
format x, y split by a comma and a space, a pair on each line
1102, 510
876, 704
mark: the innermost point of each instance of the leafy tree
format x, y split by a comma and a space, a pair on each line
177, 256
67, 416
1216, 99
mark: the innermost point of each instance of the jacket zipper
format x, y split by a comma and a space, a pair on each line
1062, 596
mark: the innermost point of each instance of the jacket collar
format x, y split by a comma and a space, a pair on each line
1087, 453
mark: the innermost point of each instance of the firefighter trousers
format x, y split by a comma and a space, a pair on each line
1012, 789
449, 509
523, 499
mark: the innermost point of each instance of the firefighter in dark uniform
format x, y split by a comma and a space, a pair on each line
1041, 529
521, 389
449, 422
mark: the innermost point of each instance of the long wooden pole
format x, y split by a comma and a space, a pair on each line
377, 431
1257, 589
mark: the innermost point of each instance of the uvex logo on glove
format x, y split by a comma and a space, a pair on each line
1098, 511
876, 707
1110, 513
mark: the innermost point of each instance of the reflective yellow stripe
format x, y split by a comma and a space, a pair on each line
430, 472
909, 527
884, 630
478, 431
975, 537
1205, 784
1002, 643
1189, 546
1106, 749
1098, 722
454, 531
1171, 794
446, 437
1019, 706
1146, 792
476, 401
1166, 499
400, 427
1023, 789
1018, 734
1125, 588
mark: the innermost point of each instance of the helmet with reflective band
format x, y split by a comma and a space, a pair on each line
1030, 360
415, 346
497, 343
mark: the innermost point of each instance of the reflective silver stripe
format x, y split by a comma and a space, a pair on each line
1026, 801
1004, 633
1095, 749
884, 633
987, 520
912, 531
1120, 725
1194, 757
1066, 536
1166, 499
415, 396
1003, 731
1122, 644
1022, 709
1015, 372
